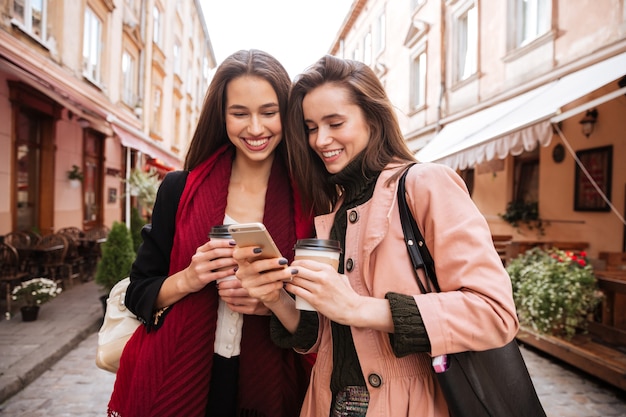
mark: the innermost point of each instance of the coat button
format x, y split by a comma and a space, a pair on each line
375, 380
349, 264
353, 216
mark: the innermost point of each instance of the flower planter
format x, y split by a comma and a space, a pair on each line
30, 313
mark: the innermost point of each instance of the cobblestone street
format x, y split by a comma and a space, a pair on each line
75, 387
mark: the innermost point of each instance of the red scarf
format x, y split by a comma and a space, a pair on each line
168, 372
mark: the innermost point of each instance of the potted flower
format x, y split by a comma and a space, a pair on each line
555, 291
144, 186
75, 176
523, 213
33, 293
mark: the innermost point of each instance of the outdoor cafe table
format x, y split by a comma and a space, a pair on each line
34, 257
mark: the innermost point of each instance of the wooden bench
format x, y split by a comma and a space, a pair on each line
501, 243
583, 352
516, 248
614, 260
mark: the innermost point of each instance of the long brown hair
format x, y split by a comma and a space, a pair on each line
210, 132
386, 143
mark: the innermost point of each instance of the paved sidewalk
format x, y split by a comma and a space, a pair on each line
73, 387
28, 349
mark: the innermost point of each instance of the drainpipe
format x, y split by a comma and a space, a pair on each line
442, 74
127, 189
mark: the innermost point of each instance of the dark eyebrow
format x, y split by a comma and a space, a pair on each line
241, 107
328, 116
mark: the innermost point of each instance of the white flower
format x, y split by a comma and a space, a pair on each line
36, 291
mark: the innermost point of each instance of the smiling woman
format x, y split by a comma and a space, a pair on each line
236, 167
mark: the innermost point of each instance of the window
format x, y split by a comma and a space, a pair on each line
92, 183
156, 28
156, 111
129, 90
468, 178
132, 5
206, 70
416, 3
367, 48
357, 52
466, 43
189, 80
177, 127
177, 58
28, 148
92, 46
31, 16
532, 19
526, 177
418, 81
381, 33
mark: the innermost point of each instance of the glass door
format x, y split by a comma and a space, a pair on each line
28, 149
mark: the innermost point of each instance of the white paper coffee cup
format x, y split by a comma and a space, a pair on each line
220, 232
321, 250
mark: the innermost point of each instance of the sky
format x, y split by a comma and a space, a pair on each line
296, 32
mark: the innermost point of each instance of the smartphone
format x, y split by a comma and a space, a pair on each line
254, 234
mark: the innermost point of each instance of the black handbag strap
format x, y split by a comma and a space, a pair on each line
415, 242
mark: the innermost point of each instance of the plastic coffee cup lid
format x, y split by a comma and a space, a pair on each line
318, 244
220, 232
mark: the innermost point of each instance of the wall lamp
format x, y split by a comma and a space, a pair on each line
83, 123
588, 122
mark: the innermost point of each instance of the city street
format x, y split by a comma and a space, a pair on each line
75, 387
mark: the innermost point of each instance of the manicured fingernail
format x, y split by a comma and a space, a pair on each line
294, 271
283, 261
257, 250
232, 243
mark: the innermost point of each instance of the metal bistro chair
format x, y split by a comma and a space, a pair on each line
72, 231
10, 272
34, 236
17, 239
74, 256
20, 241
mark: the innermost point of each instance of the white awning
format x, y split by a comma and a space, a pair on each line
519, 123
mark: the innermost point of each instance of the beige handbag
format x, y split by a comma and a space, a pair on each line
118, 326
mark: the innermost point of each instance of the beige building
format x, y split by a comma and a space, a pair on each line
499, 90
106, 85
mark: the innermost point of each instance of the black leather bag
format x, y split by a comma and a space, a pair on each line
490, 383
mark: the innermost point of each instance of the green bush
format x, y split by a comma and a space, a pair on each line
555, 291
117, 257
137, 222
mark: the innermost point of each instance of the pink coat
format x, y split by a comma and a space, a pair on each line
474, 311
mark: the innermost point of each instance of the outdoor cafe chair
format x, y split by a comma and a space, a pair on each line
10, 272
17, 239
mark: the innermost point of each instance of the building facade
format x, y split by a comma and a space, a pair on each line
526, 99
103, 85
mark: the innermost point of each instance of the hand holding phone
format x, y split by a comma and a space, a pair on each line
255, 234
